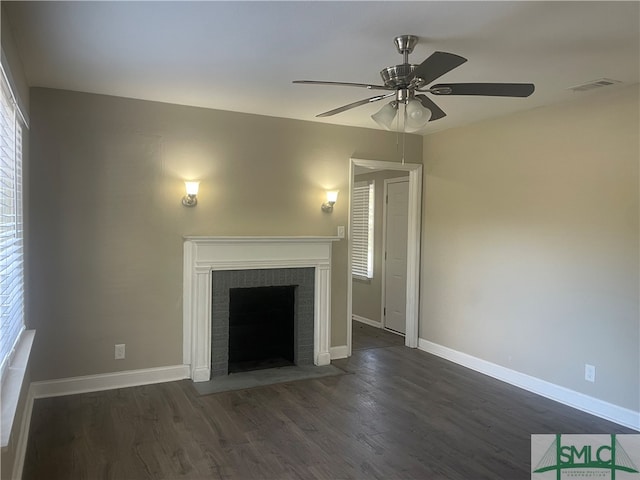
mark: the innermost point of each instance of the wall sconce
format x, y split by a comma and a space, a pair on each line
332, 196
190, 199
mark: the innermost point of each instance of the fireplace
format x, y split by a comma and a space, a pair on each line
275, 307
210, 262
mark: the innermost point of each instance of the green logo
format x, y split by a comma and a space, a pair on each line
584, 456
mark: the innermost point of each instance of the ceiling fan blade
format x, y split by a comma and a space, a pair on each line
436, 65
356, 104
343, 84
436, 111
487, 89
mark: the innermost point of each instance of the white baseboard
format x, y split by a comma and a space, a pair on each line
608, 411
366, 321
108, 381
341, 351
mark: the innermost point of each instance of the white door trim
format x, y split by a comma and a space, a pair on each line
383, 297
413, 244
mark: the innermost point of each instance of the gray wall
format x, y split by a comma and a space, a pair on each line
107, 222
367, 294
530, 243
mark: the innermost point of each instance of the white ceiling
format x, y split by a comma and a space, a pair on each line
242, 56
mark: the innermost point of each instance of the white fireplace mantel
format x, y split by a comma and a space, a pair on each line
202, 255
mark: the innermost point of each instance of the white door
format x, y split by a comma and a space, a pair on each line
395, 255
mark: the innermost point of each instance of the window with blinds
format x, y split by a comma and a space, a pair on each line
362, 214
11, 227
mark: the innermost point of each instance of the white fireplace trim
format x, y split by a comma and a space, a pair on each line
202, 255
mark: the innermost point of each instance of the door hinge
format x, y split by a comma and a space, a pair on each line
384, 311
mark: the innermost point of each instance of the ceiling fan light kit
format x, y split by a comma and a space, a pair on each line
417, 116
384, 117
407, 84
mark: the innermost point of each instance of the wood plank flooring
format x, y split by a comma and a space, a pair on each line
398, 414
366, 336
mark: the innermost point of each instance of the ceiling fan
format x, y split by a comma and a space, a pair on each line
407, 84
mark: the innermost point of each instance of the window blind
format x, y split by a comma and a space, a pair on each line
362, 230
11, 226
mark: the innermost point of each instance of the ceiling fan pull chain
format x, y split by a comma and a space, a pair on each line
404, 126
397, 132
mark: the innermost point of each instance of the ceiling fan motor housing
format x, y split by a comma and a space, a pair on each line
397, 76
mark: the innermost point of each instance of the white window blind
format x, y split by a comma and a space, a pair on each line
362, 230
11, 227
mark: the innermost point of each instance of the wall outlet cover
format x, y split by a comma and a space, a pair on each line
589, 373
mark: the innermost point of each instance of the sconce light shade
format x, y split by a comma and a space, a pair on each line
384, 117
332, 196
192, 187
191, 198
417, 115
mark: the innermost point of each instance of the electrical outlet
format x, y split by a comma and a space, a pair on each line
589, 373
119, 353
341, 231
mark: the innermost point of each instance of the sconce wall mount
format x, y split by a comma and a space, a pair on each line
332, 196
191, 198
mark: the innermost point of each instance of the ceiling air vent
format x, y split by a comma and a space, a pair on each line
602, 82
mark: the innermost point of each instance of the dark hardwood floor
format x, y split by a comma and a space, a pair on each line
366, 336
398, 413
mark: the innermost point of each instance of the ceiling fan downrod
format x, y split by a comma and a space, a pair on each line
405, 45
400, 76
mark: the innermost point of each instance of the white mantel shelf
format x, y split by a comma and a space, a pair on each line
205, 254
261, 239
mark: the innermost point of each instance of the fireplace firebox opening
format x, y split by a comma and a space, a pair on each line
261, 327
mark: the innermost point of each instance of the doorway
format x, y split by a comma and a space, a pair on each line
414, 184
